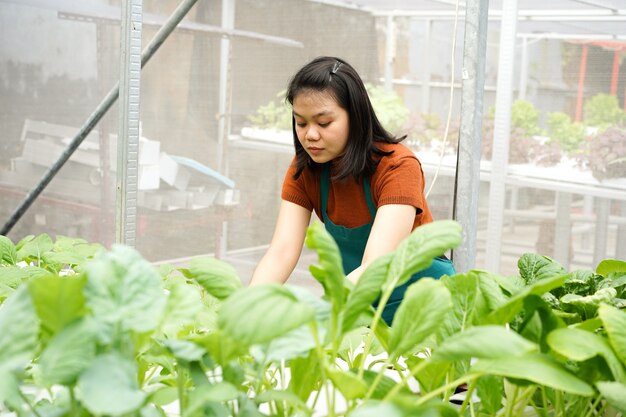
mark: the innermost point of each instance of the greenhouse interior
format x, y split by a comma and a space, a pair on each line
143, 135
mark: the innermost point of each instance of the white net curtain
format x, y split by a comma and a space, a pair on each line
215, 139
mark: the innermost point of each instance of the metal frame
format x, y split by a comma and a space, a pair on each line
467, 185
128, 126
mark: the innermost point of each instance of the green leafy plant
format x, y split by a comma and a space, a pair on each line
525, 116
389, 108
603, 111
276, 114
567, 134
105, 333
523, 147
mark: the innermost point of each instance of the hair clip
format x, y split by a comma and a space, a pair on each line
336, 67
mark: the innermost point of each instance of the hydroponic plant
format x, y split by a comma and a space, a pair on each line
92, 332
389, 108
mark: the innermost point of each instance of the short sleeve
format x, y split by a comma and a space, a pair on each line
400, 180
295, 190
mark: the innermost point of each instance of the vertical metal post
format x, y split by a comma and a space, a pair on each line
501, 135
128, 133
228, 22
468, 158
523, 73
601, 230
390, 52
563, 228
620, 245
425, 65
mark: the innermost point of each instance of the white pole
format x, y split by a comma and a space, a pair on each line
128, 130
390, 52
501, 135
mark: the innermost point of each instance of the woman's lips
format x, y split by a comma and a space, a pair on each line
315, 151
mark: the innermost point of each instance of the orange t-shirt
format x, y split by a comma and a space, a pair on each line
398, 179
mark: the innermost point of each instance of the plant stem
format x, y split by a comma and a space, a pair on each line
32, 408
323, 365
379, 376
468, 397
180, 386
412, 371
593, 406
510, 405
377, 316
464, 379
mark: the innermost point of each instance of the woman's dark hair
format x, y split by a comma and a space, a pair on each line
336, 77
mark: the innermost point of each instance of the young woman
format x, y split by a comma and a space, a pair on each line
365, 186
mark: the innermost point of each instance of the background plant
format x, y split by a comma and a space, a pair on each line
388, 105
567, 134
603, 111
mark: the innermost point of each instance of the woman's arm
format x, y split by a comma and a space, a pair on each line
393, 223
282, 256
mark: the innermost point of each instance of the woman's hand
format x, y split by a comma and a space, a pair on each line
282, 256
393, 223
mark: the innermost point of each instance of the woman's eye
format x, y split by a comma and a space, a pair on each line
300, 124
324, 124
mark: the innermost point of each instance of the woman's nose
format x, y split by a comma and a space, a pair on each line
312, 134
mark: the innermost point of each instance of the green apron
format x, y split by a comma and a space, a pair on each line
352, 242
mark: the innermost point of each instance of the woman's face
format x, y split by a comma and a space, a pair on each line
321, 125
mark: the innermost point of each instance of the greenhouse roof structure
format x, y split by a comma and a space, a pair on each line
561, 19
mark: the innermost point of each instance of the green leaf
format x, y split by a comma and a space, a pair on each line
35, 248
13, 276
262, 313
9, 390
68, 354
182, 307
609, 266
536, 368
490, 390
485, 342
348, 383
385, 384
580, 345
109, 386
217, 277
615, 394
587, 306
305, 375
280, 395
163, 396
366, 290
430, 374
490, 290
614, 321
464, 291
330, 271
124, 288
425, 243
378, 409
58, 300
184, 350
422, 311
215, 393
220, 346
8, 254
534, 267
20, 331
299, 341
507, 311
